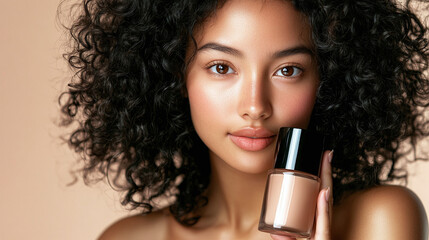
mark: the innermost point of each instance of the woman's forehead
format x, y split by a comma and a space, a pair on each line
248, 23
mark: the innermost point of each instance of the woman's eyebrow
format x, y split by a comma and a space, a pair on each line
221, 48
235, 52
293, 51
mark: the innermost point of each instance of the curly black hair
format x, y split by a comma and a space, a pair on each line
134, 120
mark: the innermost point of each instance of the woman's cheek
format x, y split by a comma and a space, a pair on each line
294, 108
208, 102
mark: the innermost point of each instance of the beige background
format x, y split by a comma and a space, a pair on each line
35, 201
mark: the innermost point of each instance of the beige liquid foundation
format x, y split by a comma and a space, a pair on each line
293, 185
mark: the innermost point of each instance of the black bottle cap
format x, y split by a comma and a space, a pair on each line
299, 150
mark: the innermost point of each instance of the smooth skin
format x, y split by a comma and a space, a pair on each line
254, 72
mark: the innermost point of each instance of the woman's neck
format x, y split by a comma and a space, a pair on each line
235, 198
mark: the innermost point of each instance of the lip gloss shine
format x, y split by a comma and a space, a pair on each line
293, 185
252, 139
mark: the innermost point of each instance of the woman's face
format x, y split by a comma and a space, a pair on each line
253, 72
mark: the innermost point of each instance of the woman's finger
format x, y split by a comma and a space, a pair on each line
323, 222
326, 175
324, 200
326, 171
278, 237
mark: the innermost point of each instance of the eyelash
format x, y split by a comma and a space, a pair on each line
217, 64
297, 70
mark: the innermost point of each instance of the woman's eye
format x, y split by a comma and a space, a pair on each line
288, 71
221, 69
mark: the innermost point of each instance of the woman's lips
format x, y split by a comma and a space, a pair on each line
252, 139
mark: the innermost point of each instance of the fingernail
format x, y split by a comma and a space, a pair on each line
330, 156
327, 193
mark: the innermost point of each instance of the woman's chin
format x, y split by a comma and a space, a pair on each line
253, 164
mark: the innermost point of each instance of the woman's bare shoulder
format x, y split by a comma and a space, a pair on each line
151, 226
383, 212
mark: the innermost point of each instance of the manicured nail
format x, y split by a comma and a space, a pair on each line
330, 156
327, 193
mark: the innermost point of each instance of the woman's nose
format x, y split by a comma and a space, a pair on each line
255, 102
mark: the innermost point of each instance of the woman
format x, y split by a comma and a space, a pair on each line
180, 104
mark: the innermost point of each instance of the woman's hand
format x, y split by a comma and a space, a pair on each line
322, 229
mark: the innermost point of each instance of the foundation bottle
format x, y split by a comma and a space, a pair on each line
293, 185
